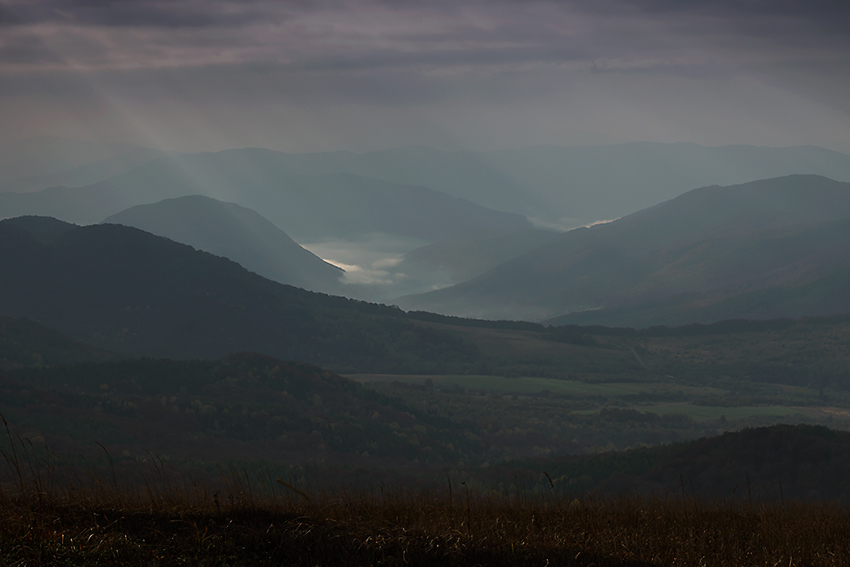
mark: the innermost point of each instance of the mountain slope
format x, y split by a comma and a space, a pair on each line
26, 343
237, 233
124, 289
689, 254
242, 406
305, 206
569, 186
471, 253
566, 186
761, 464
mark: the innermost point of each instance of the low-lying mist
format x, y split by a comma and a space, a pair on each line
374, 266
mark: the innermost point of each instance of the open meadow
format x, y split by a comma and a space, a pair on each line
243, 521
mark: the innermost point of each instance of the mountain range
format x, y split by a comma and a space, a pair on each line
123, 289
237, 233
770, 248
47, 161
565, 186
307, 207
558, 186
759, 249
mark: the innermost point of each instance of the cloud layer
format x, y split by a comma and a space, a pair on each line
362, 74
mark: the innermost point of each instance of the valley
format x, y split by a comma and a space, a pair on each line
367, 283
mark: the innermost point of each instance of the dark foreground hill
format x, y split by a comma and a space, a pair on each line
123, 289
26, 343
767, 249
237, 233
246, 407
793, 462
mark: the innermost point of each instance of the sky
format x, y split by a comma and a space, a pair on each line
362, 75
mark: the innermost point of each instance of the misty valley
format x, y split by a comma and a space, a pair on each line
376, 345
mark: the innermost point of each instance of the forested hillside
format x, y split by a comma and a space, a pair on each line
126, 290
762, 250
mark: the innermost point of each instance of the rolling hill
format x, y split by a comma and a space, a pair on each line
124, 289
237, 233
26, 343
771, 248
243, 406
793, 462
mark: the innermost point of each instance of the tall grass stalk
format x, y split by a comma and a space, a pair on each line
52, 513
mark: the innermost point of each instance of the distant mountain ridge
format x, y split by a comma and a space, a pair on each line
36, 163
237, 233
305, 206
680, 262
568, 186
557, 186
575, 185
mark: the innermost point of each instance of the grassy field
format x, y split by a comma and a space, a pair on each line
534, 385
711, 413
623, 392
243, 521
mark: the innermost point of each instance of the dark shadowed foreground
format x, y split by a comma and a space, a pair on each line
59, 516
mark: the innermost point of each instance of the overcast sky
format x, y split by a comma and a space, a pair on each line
360, 75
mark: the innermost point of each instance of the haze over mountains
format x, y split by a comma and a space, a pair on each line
369, 212
564, 186
237, 233
306, 207
46, 161
413, 220
573, 186
771, 248
469, 254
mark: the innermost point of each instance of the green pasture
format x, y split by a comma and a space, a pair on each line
711, 413
531, 385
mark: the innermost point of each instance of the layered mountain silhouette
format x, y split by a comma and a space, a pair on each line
307, 207
566, 185
771, 248
127, 290
562, 186
573, 186
237, 233
37, 163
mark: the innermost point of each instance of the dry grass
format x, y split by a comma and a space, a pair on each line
55, 515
